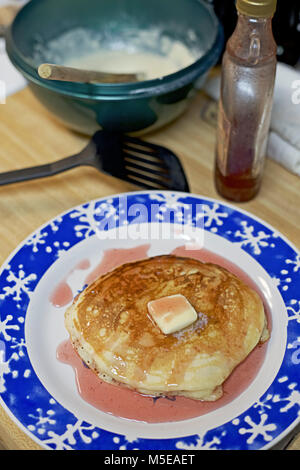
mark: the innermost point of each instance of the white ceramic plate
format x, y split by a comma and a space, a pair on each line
40, 393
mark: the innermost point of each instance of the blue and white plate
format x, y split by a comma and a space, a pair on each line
39, 392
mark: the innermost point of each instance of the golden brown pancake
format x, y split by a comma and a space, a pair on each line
112, 332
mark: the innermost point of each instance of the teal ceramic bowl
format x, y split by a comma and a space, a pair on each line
131, 107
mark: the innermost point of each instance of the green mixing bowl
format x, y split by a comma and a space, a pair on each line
131, 107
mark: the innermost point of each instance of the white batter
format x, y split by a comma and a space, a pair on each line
149, 52
149, 64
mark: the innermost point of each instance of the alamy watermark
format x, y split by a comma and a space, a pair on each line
2, 352
296, 94
296, 354
138, 221
2, 92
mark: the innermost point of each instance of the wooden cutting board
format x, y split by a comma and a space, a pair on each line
31, 136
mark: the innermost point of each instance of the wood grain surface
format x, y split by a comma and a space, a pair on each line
29, 135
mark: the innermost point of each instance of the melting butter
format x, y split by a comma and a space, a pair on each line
172, 313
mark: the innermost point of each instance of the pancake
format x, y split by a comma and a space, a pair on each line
113, 333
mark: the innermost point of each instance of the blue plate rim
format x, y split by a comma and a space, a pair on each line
147, 193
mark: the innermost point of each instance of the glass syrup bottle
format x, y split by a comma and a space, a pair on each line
247, 85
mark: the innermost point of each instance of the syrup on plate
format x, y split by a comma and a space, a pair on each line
62, 294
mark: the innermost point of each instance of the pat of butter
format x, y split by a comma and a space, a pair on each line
172, 313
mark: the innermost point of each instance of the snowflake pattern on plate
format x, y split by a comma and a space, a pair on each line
53, 426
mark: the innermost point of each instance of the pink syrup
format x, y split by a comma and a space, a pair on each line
62, 295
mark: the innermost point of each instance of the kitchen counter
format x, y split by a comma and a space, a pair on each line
29, 136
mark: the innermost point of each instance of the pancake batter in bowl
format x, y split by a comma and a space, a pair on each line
150, 52
151, 65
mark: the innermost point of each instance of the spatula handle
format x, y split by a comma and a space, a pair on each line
41, 171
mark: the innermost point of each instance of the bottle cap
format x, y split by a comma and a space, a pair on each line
257, 8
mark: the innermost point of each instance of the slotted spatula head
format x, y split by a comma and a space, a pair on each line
141, 163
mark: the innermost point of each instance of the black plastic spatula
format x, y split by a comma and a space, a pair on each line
128, 158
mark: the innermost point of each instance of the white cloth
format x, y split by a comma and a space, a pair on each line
11, 80
284, 136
